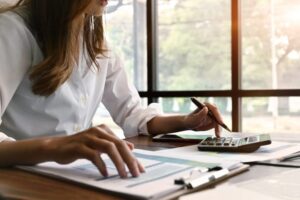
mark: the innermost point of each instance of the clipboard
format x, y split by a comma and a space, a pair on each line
78, 172
211, 183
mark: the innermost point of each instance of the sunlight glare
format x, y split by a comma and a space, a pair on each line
293, 15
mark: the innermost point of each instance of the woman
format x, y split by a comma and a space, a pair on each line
55, 70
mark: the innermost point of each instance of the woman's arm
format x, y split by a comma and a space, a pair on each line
197, 120
89, 144
22, 152
123, 102
27, 152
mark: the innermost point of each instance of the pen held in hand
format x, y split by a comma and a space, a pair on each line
210, 114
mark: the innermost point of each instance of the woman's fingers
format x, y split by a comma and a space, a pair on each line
108, 130
201, 121
217, 116
118, 150
101, 132
210, 126
130, 145
94, 157
123, 150
218, 130
215, 112
90, 143
202, 114
141, 167
195, 119
206, 126
113, 153
128, 158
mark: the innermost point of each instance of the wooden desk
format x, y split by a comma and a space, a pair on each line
18, 184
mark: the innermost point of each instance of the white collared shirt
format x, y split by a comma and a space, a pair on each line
71, 107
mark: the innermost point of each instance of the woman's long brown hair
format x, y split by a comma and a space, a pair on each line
58, 25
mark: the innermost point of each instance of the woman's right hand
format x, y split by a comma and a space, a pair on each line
198, 120
90, 144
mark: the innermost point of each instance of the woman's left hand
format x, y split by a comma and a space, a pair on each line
108, 130
200, 121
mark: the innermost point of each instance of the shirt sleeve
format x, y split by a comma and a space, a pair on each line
15, 59
4, 137
124, 103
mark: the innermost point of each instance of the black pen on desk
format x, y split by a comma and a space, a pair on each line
210, 114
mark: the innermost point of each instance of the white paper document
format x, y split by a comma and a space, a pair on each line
282, 186
161, 171
268, 152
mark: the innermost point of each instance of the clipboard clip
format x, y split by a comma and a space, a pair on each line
198, 177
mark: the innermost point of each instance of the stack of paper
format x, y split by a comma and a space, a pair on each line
268, 152
157, 182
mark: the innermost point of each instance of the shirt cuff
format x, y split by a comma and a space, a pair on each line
4, 137
154, 110
137, 122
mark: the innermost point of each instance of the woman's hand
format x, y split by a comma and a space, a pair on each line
90, 144
200, 121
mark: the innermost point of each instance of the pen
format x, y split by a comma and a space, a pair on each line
208, 176
210, 114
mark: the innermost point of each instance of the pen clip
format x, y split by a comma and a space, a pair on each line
195, 171
192, 182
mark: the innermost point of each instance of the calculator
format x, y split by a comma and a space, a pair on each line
241, 144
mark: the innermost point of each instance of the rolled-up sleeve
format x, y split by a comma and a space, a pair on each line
124, 103
4, 137
15, 59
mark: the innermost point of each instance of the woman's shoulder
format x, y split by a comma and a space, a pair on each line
11, 22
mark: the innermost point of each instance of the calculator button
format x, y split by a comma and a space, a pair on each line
211, 142
219, 141
206, 141
232, 144
252, 139
243, 141
235, 142
227, 141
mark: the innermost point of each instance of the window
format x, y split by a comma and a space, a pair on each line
126, 33
270, 61
194, 45
270, 44
125, 24
242, 55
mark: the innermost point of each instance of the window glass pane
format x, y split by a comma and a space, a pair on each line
270, 44
125, 27
194, 45
271, 115
185, 106
125, 24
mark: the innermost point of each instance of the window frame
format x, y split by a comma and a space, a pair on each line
236, 93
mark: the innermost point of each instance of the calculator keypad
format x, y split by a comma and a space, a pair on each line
223, 141
236, 144
228, 141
